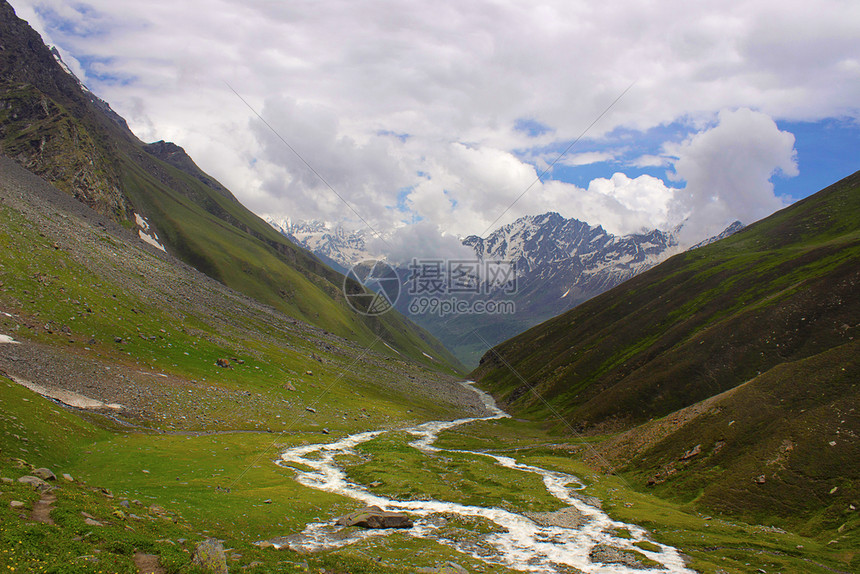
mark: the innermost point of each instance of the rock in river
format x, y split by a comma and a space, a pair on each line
375, 517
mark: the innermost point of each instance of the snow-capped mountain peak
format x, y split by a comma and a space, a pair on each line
336, 245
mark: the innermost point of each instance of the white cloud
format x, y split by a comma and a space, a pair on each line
586, 158
423, 240
649, 160
455, 78
728, 169
645, 195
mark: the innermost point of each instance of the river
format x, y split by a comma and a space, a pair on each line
518, 542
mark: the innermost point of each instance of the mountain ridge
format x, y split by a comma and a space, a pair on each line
53, 126
559, 264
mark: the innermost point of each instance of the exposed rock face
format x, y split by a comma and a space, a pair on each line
46, 118
375, 517
695, 451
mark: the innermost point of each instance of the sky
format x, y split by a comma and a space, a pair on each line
453, 117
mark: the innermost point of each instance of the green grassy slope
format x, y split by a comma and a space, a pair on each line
741, 355
57, 131
92, 311
198, 429
698, 324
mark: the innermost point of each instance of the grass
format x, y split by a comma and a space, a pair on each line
188, 476
203, 486
74, 299
775, 304
56, 298
714, 543
408, 474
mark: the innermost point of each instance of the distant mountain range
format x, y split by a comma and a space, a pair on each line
559, 263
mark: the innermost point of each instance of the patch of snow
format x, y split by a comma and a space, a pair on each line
390, 347
565, 294
428, 356
152, 241
146, 234
141, 222
56, 54
7, 338
70, 398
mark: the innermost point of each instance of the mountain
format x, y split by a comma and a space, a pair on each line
730, 230
559, 263
56, 128
730, 370
558, 259
338, 247
141, 379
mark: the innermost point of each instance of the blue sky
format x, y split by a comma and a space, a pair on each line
442, 115
826, 151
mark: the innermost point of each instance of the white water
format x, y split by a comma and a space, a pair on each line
521, 545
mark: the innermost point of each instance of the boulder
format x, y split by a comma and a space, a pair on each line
375, 517
209, 555
45, 474
36, 482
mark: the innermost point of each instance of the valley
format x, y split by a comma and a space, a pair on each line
195, 449
186, 389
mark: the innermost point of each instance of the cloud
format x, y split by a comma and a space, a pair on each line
586, 158
728, 170
650, 160
424, 241
323, 172
645, 195
481, 89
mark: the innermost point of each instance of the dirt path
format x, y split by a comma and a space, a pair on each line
42, 509
148, 564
